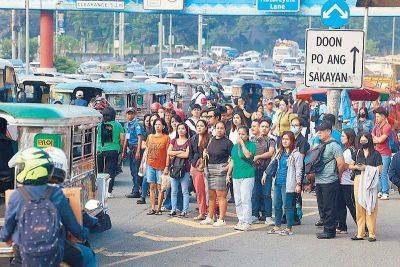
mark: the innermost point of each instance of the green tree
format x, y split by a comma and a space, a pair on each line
5, 48
65, 65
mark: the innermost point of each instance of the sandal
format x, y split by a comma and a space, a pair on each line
151, 212
199, 218
158, 212
274, 230
356, 238
285, 232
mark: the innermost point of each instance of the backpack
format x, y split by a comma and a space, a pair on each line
39, 228
313, 161
193, 101
315, 115
106, 133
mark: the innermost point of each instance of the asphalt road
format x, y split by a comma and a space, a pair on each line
137, 239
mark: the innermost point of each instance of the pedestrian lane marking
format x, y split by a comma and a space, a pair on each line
160, 238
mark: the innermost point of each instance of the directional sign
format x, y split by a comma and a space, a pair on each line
334, 58
279, 5
335, 13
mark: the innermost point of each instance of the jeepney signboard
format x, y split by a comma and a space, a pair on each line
334, 58
42, 140
101, 4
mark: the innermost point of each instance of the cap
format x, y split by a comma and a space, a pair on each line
382, 111
130, 110
79, 94
325, 125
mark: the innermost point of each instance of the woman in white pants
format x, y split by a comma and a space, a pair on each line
242, 171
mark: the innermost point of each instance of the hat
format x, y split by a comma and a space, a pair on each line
79, 94
196, 106
382, 111
130, 110
325, 125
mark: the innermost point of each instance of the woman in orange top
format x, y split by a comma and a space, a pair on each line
157, 146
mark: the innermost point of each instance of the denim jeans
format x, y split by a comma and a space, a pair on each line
283, 200
261, 200
243, 189
134, 166
184, 183
168, 203
145, 188
384, 179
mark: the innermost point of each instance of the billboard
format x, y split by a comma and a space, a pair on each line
378, 3
205, 7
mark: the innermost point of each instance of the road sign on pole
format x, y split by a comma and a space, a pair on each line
335, 13
334, 58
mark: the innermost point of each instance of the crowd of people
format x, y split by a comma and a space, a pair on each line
284, 147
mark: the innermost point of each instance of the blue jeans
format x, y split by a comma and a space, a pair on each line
384, 179
261, 200
283, 199
88, 256
145, 187
184, 183
134, 166
168, 203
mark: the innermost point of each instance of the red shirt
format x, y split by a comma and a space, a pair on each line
379, 130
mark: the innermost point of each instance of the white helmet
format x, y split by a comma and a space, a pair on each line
60, 163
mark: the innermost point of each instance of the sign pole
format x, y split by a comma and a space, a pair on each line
365, 33
393, 34
200, 35
170, 35
160, 42
27, 37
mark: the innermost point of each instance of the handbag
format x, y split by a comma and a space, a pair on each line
200, 164
271, 169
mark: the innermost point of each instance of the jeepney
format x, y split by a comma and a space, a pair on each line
255, 89
120, 95
72, 130
150, 93
8, 82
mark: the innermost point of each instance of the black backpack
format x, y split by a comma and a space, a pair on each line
315, 115
177, 168
313, 161
106, 133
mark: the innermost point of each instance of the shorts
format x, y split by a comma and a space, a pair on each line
153, 175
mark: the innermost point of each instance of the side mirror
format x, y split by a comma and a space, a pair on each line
21, 97
21, 86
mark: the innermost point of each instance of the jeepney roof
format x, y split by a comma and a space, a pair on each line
263, 84
48, 114
107, 88
5, 63
154, 88
44, 79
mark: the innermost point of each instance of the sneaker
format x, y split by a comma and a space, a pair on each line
379, 194
238, 226
172, 213
254, 220
109, 195
339, 231
269, 221
219, 223
207, 221
183, 214
319, 223
245, 227
133, 195
141, 201
163, 209
286, 232
385, 197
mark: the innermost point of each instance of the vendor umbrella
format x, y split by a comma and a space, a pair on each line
368, 94
312, 94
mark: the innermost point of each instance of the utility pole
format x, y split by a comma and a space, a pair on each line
13, 34
309, 22
27, 36
114, 34
56, 35
200, 35
393, 34
121, 35
170, 35
160, 42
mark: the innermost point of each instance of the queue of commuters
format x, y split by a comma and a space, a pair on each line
262, 159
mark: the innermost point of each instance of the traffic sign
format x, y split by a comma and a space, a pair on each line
279, 5
335, 13
334, 58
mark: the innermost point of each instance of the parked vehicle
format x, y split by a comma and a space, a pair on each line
284, 49
8, 82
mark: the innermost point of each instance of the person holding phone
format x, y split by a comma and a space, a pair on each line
242, 171
217, 156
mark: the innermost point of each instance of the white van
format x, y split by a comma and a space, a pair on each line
219, 51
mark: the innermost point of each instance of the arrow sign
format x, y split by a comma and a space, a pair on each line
327, 14
354, 50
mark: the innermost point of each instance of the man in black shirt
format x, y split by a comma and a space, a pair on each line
8, 148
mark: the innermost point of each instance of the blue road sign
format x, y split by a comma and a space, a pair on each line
335, 13
279, 5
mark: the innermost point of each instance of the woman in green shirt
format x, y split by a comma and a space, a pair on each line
242, 171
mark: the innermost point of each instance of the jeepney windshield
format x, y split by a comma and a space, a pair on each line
118, 102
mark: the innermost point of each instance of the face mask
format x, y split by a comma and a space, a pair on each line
365, 145
295, 129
